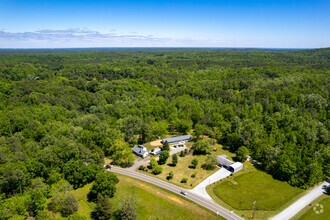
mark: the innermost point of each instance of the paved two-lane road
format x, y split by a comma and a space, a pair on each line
209, 204
301, 203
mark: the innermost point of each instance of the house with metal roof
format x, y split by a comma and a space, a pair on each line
177, 139
140, 150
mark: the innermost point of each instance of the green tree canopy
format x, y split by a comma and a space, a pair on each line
104, 184
164, 155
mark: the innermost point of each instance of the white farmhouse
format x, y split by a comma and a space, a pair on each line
140, 150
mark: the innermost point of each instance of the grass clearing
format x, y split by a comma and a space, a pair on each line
182, 169
239, 191
152, 201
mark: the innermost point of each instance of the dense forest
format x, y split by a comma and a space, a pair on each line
63, 111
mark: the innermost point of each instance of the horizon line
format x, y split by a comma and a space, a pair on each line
63, 48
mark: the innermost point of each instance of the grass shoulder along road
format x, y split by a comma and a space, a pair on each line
238, 192
152, 202
321, 212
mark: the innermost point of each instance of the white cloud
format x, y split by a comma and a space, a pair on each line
70, 38
89, 38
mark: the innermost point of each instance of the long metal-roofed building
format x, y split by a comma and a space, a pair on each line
223, 161
177, 139
230, 165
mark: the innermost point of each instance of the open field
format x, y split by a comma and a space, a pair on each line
182, 169
152, 202
238, 192
308, 213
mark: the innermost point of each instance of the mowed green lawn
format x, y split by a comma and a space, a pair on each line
241, 191
152, 202
322, 215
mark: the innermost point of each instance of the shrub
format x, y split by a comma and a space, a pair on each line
184, 180
141, 167
170, 175
194, 163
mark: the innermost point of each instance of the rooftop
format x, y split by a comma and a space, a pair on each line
177, 139
224, 161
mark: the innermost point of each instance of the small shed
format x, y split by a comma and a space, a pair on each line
237, 166
156, 151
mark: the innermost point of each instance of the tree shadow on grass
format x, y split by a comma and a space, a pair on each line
171, 165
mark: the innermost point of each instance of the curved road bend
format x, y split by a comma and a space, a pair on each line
209, 204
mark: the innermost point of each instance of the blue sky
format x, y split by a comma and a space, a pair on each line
157, 23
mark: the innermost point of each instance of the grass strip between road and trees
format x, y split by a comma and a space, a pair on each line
153, 202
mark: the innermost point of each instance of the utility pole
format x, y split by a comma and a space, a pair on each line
254, 209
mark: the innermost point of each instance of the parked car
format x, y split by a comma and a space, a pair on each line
108, 166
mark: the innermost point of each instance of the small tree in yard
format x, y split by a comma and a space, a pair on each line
164, 155
103, 208
128, 210
242, 153
182, 154
166, 146
210, 163
194, 163
157, 169
153, 163
174, 159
